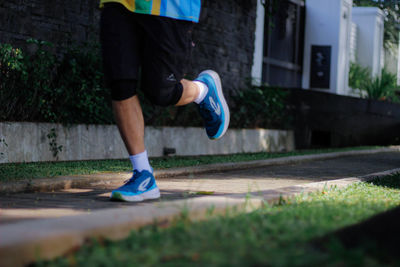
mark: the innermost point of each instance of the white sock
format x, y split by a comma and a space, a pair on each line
140, 162
203, 90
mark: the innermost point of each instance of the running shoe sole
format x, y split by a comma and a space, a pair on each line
151, 194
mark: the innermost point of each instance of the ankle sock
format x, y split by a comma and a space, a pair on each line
140, 162
203, 90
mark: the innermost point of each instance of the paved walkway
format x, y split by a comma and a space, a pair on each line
27, 219
24, 206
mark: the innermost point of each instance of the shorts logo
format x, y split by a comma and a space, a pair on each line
144, 184
171, 78
215, 106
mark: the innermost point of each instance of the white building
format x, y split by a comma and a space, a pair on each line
327, 45
319, 50
369, 29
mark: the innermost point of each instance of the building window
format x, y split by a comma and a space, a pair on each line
283, 43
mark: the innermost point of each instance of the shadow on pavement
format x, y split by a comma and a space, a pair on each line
81, 199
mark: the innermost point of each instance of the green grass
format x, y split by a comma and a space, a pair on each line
14, 172
276, 235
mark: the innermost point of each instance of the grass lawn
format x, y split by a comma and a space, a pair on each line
276, 235
13, 172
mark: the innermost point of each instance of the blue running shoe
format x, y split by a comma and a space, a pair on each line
213, 108
140, 187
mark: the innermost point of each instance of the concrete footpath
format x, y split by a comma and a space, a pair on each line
51, 217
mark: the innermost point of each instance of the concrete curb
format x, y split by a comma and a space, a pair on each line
91, 142
66, 182
22, 243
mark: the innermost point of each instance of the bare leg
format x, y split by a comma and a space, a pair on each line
129, 117
190, 93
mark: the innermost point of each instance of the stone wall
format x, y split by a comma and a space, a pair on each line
225, 40
224, 37
54, 21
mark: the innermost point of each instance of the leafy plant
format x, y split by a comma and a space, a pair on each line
3, 143
260, 106
383, 87
358, 75
42, 69
13, 73
254, 107
81, 93
44, 86
54, 147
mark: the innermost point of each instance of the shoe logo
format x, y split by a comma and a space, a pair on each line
144, 184
171, 78
215, 106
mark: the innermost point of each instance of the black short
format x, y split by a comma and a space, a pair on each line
158, 46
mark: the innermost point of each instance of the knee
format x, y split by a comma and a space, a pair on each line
163, 94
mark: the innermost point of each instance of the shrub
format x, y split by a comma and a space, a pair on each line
13, 74
358, 75
81, 94
253, 107
43, 87
383, 87
260, 107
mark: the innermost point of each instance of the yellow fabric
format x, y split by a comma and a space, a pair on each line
129, 4
177, 9
156, 7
